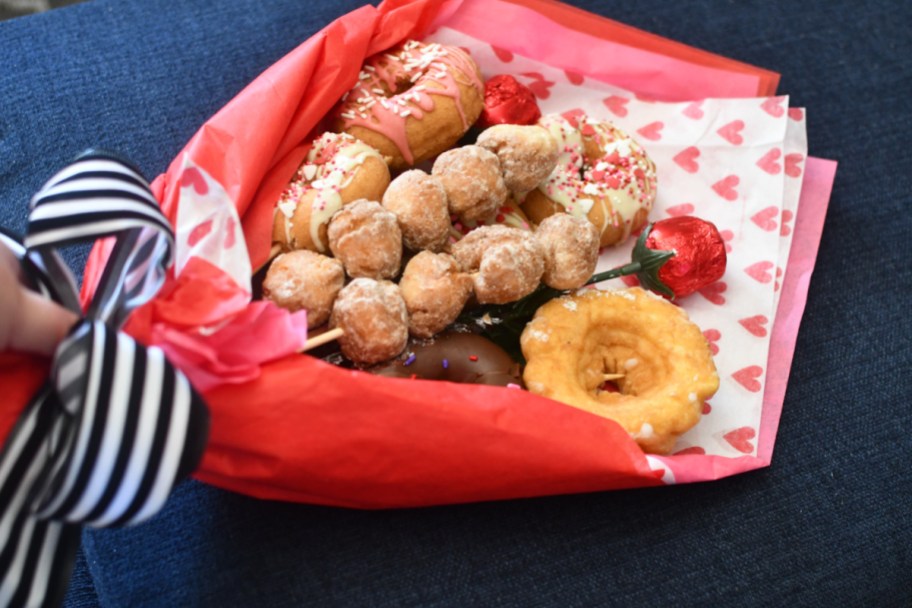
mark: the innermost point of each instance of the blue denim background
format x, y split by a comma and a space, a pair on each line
829, 523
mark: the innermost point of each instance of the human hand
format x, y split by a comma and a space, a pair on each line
28, 321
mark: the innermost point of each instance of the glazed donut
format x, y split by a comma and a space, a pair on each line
527, 153
366, 238
413, 102
602, 174
420, 204
337, 170
305, 280
435, 291
574, 341
505, 263
454, 356
374, 320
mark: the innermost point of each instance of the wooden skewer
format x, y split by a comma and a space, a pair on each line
321, 339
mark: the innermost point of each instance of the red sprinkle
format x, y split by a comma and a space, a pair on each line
473, 357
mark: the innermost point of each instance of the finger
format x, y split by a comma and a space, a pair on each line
39, 324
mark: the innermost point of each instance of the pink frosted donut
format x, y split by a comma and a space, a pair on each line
413, 102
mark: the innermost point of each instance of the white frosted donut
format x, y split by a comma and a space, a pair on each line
338, 169
602, 174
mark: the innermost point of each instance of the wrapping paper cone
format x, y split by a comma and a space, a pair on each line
304, 430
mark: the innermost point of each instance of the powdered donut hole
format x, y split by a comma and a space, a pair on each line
473, 182
366, 238
419, 202
374, 320
571, 249
304, 280
435, 291
527, 154
505, 263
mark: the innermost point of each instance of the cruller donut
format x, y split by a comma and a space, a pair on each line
413, 102
657, 358
602, 173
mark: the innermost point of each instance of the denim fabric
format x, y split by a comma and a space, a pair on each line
829, 523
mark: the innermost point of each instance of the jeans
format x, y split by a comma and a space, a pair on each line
829, 523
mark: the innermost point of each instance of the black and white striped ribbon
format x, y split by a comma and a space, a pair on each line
115, 427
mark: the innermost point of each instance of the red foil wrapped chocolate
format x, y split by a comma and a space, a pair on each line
699, 258
507, 101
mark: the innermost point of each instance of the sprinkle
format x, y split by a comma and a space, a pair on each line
473, 357
513, 385
410, 360
446, 364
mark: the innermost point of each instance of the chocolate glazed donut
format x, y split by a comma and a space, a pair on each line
454, 356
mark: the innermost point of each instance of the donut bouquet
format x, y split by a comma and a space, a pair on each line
445, 267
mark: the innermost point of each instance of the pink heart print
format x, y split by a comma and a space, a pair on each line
766, 218
713, 292
760, 271
691, 450
574, 77
503, 54
792, 161
687, 159
728, 236
740, 439
796, 114
229, 234
731, 132
747, 377
192, 177
773, 106
652, 131
617, 105
693, 110
756, 325
707, 408
712, 336
787, 216
199, 232
682, 209
768, 162
630, 280
540, 87
725, 187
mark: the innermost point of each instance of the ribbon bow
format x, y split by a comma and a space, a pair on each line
115, 426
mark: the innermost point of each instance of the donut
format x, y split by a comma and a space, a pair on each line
571, 250
472, 179
665, 366
337, 170
509, 214
505, 263
435, 291
413, 102
304, 280
366, 238
420, 204
374, 320
527, 153
454, 356
602, 174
